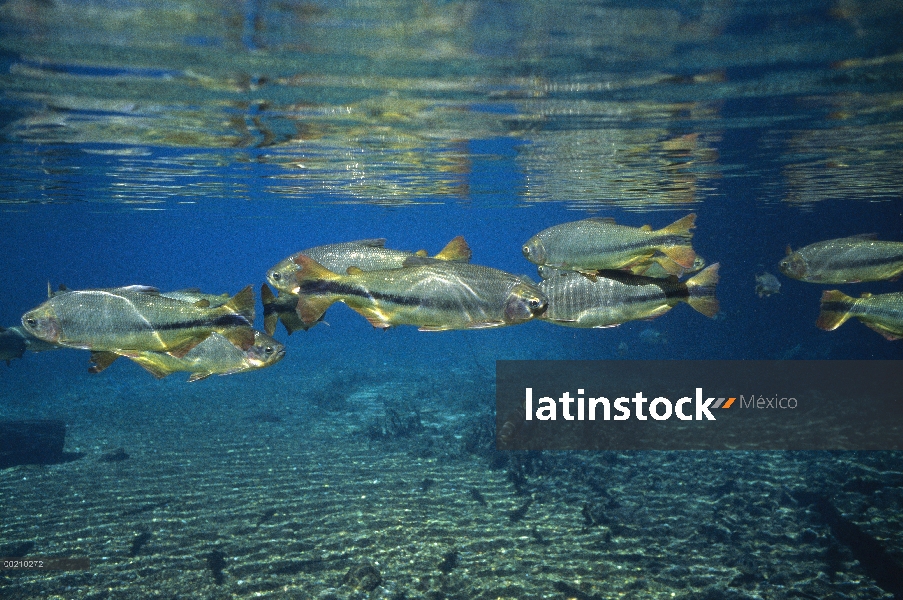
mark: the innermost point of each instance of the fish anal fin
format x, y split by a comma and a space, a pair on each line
484, 324
199, 375
266, 295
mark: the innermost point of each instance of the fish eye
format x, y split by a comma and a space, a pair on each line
526, 249
31, 321
268, 349
277, 276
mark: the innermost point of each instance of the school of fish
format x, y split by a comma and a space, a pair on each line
594, 274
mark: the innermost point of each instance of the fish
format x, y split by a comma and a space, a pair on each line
367, 255
663, 267
881, 312
767, 284
616, 297
432, 294
216, 355
134, 318
845, 260
599, 243
12, 344
280, 307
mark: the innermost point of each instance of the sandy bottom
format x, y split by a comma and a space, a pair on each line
328, 486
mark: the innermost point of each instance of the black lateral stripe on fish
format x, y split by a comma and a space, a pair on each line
321, 287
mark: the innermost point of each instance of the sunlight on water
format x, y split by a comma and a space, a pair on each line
378, 102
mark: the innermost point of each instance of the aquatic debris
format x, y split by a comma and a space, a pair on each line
767, 284
519, 513
138, 543
117, 455
845, 260
478, 497
449, 561
32, 442
364, 577
874, 558
427, 484
216, 562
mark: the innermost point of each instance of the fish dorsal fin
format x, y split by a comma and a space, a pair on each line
456, 250
646, 228
421, 253
49, 290
372, 242
352, 270
863, 236
788, 250
866, 295
242, 303
605, 220
266, 295
101, 361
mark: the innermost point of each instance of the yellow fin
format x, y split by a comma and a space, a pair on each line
456, 250
421, 253
184, 348
311, 270
681, 227
830, 318
203, 303
242, 303
701, 288
199, 375
646, 228
240, 337
311, 308
352, 270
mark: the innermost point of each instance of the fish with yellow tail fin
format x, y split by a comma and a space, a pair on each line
134, 318
614, 297
434, 295
599, 243
367, 255
280, 308
845, 260
217, 355
880, 312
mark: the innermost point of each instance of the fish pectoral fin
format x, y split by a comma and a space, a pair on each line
184, 348
240, 337
101, 360
202, 303
352, 270
310, 309
199, 375
684, 256
432, 328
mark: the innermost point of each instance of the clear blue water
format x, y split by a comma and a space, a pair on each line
197, 144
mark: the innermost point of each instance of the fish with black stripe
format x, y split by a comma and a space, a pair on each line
880, 312
434, 295
845, 260
613, 297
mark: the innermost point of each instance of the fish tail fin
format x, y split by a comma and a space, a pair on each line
835, 310
680, 251
681, 227
242, 303
456, 250
701, 288
270, 317
311, 270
